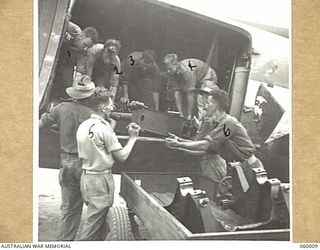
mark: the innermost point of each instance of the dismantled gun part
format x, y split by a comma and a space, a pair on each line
261, 203
191, 207
162, 123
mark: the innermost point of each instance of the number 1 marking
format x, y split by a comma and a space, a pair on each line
117, 71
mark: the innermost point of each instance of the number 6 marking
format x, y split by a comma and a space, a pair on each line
90, 132
226, 131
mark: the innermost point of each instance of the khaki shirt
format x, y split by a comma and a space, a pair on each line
96, 142
192, 74
68, 116
142, 79
230, 140
103, 74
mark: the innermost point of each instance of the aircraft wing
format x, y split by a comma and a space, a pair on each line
276, 30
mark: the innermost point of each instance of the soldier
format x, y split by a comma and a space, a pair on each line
226, 136
72, 53
141, 79
104, 65
98, 149
68, 116
184, 78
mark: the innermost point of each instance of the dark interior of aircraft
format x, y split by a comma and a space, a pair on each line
148, 24
141, 25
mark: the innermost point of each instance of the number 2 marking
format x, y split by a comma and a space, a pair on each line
90, 132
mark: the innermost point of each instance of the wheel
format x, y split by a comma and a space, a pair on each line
119, 225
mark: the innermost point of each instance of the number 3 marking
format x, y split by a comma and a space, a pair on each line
132, 60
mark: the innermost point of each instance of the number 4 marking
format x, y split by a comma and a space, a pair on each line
191, 66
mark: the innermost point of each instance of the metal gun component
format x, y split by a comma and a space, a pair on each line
261, 175
185, 185
192, 208
204, 202
161, 123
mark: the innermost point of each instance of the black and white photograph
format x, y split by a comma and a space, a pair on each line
163, 120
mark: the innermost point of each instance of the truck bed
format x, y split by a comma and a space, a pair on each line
150, 195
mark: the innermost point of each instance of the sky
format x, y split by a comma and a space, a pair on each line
269, 12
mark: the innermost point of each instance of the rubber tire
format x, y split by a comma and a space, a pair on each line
119, 224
